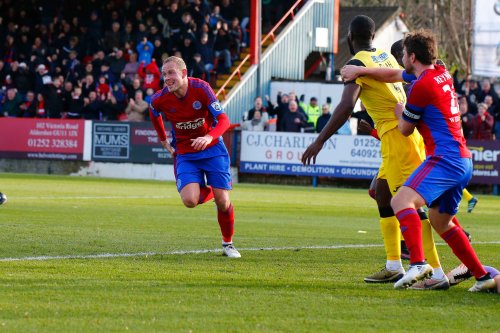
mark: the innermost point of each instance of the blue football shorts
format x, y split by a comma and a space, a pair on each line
216, 169
440, 181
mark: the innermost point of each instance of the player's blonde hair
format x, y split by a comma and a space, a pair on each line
179, 63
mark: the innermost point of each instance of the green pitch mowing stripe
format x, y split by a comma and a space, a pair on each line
304, 287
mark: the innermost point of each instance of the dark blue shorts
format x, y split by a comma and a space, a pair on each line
212, 163
440, 181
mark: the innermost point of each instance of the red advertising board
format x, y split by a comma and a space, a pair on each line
54, 139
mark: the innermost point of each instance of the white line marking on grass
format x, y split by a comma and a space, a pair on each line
184, 252
99, 197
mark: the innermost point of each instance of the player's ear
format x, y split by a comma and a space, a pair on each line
184, 73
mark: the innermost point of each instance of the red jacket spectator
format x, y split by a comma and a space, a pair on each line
482, 124
150, 75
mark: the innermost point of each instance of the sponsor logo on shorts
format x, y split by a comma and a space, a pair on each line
190, 125
216, 106
197, 105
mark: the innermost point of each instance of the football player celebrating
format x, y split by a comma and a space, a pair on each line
198, 122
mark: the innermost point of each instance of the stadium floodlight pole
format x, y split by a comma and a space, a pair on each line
255, 39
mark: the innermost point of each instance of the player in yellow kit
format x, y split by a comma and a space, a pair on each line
400, 155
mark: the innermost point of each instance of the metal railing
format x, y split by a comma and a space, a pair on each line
284, 58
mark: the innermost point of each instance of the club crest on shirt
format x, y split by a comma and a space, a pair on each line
216, 106
196, 105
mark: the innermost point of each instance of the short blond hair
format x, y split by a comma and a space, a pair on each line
179, 63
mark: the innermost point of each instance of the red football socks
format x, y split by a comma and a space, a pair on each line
411, 227
226, 223
461, 247
206, 194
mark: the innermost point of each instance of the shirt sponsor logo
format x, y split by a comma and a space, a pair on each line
216, 106
190, 125
197, 105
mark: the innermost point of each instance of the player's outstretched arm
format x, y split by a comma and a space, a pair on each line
340, 115
352, 72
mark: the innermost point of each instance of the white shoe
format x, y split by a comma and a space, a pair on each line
459, 274
230, 251
484, 286
415, 273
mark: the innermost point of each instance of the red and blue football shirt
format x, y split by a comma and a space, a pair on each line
432, 105
192, 116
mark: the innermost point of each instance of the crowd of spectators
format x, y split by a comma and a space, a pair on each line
101, 59
479, 107
290, 114
478, 104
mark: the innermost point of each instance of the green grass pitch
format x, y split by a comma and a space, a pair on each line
317, 245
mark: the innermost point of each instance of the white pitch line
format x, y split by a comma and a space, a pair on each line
97, 197
184, 252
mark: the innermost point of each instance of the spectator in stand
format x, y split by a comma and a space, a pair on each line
103, 87
160, 51
88, 84
236, 37
71, 66
188, 26
222, 45
467, 118
136, 108
311, 110
293, 120
280, 109
486, 89
66, 96
323, 119
93, 107
40, 112
131, 68
21, 77
258, 105
257, 123
150, 75
11, 103
112, 107
94, 26
482, 124
188, 48
205, 49
132, 87
227, 10
75, 104
196, 67
112, 39
105, 71
28, 108
51, 99
145, 51
116, 63
173, 16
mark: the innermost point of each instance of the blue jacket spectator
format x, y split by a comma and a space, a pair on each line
145, 51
